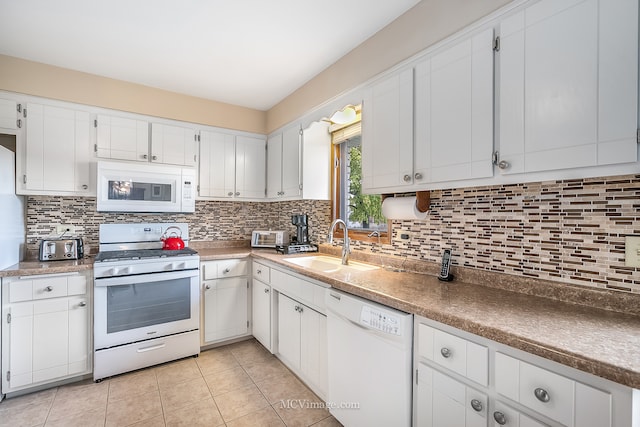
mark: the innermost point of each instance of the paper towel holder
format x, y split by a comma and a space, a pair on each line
423, 199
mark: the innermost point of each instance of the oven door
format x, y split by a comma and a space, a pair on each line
136, 308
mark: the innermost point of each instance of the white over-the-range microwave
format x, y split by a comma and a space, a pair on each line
138, 187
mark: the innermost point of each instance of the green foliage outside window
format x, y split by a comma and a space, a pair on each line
364, 208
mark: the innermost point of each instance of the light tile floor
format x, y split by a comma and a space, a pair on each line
241, 384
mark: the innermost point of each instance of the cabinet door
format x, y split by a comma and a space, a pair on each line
79, 335
442, 401
17, 343
122, 139
261, 313
461, 109
50, 339
250, 167
313, 347
225, 308
274, 166
217, 164
8, 114
568, 85
316, 162
291, 162
173, 144
387, 134
289, 330
50, 148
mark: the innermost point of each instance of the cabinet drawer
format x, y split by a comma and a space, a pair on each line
225, 268
302, 290
261, 272
49, 287
464, 357
550, 394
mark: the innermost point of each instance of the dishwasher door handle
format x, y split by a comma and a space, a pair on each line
336, 296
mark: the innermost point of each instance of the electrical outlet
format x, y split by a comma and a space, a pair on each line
632, 251
403, 235
66, 229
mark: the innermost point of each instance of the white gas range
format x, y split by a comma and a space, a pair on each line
146, 299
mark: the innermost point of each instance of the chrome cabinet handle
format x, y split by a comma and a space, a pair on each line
542, 395
226, 271
301, 310
500, 418
48, 289
85, 186
503, 164
476, 405
154, 157
258, 271
82, 304
207, 287
418, 175
237, 193
406, 178
230, 193
144, 156
266, 290
445, 352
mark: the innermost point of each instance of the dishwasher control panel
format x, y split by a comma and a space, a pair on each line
380, 320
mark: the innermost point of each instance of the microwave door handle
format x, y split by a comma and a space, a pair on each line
147, 278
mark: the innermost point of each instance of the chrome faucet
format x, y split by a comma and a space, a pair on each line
345, 244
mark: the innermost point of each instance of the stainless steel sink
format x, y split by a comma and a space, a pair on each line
328, 264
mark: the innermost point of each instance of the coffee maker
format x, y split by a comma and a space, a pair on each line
301, 222
301, 243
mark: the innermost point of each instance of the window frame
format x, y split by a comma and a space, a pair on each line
336, 199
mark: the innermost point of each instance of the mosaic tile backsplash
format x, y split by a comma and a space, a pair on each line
567, 231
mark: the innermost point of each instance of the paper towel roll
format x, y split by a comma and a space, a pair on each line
402, 208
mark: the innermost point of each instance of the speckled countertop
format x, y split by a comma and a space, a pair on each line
563, 325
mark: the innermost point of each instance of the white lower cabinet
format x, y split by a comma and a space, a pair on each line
225, 300
45, 339
445, 402
521, 390
301, 330
261, 303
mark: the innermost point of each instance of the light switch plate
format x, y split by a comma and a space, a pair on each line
632, 251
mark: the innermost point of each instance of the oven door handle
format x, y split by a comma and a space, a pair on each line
145, 278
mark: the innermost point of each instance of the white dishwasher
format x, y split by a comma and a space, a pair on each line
369, 362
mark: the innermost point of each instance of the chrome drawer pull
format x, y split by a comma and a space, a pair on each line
542, 395
476, 405
48, 288
266, 291
445, 352
500, 418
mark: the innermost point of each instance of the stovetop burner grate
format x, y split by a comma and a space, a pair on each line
135, 254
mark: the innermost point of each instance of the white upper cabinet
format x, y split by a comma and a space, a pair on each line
250, 167
454, 112
387, 134
8, 114
316, 162
217, 164
174, 145
231, 166
283, 164
57, 154
568, 85
122, 138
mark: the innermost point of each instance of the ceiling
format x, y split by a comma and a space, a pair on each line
251, 53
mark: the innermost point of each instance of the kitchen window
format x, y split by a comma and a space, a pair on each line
361, 212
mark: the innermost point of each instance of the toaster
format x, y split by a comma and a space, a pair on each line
268, 238
61, 249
